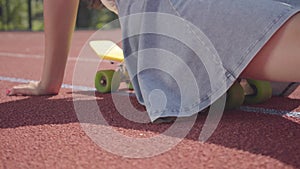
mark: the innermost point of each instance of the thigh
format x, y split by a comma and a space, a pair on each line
279, 59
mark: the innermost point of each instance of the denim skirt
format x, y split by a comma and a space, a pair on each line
183, 55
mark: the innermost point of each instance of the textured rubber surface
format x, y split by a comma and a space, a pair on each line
44, 132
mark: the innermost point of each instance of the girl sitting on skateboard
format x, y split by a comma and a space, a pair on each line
253, 39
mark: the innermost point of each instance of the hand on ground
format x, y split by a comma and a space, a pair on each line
30, 89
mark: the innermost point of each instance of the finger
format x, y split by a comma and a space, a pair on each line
22, 91
21, 86
8, 91
33, 83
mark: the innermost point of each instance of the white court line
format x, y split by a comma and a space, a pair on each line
270, 111
66, 86
243, 108
20, 55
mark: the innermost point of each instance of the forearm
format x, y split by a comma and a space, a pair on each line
59, 19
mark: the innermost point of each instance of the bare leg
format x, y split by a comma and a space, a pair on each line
279, 59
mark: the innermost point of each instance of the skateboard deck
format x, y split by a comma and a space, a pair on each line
107, 50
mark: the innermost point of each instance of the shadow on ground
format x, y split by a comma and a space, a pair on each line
262, 134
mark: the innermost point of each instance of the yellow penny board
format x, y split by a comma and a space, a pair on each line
107, 50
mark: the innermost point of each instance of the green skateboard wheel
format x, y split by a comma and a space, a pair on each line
235, 96
130, 86
262, 92
107, 81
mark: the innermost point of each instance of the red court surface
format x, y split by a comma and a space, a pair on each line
45, 132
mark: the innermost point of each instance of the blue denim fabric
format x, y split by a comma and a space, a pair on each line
182, 55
